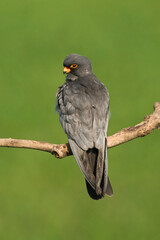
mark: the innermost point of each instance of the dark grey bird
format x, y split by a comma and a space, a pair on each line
83, 106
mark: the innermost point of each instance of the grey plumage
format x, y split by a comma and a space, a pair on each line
83, 106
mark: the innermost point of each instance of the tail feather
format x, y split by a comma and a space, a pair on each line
87, 161
92, 157
109, 190
92, 193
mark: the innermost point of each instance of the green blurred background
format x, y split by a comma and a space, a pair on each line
43, 198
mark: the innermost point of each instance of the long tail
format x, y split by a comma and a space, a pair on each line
94, 170
92, 155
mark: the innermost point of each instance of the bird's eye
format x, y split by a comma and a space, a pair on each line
74, 66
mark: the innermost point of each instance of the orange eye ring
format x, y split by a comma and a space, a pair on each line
74, 66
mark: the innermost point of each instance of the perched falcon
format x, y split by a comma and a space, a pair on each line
83, 106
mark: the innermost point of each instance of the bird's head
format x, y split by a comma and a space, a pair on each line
77, 65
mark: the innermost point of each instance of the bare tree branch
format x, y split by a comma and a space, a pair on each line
142, 129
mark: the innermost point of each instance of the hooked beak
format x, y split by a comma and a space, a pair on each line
66, 70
